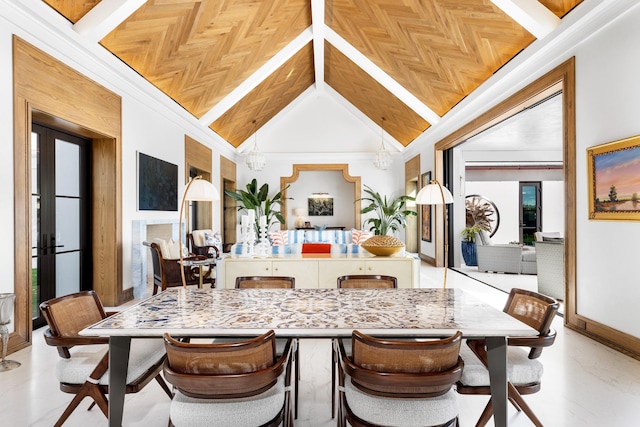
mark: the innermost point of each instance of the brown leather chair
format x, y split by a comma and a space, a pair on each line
84, 360
524, 371
386, 382
276, 282
234, 383
356, 281
166, 271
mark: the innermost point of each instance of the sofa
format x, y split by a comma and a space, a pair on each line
501, 258
285, 242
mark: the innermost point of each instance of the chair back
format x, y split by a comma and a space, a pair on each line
69, 314
266, 282
537, 311
227, 370
369, 281
156, 260
403, 368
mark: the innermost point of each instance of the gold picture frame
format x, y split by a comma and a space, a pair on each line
614, 180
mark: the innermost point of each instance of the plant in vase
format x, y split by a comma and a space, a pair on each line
258, 199
469, 245
390, 216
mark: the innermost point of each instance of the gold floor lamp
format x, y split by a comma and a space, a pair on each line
201, 190
435, 194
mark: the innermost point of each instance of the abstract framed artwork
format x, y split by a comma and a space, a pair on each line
157, 184
320, 206
426, 211
614, 180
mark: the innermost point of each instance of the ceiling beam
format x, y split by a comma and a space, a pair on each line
383, 78
105, 17
317, 23
256, 78
531, 14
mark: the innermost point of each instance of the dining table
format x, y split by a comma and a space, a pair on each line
310, 313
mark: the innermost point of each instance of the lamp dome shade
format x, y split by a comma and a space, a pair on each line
200, 189
432, 195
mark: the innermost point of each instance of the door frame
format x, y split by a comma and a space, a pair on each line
49, 91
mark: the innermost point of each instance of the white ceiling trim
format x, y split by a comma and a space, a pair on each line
257, 77
105, 17
531, 14
381, 77
317, 24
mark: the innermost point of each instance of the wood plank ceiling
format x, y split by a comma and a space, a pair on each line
232, 62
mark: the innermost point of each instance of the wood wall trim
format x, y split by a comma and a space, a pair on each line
47, 87
560, 78
228, 173
198, 156
323, 167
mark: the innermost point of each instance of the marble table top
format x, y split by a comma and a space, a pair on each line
311, 313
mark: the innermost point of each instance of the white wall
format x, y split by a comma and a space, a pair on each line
608, 90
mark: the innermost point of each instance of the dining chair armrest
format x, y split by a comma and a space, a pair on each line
65, 343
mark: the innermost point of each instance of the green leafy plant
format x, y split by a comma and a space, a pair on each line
258, 199
469, 233
390, 215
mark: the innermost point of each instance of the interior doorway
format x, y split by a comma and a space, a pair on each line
61, 216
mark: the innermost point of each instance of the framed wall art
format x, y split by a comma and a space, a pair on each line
614, 180
425, 214
157, 184
320, 206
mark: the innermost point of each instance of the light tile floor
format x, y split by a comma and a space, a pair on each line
585, 383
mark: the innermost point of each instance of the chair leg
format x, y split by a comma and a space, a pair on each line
87, 390
486, 415
515, 395
164, 386
333, 378
297, 379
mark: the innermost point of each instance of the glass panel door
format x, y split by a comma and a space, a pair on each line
61, 260
530, 211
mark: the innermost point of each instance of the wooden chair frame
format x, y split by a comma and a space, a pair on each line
537, 311
64, 336
166, 271
419, 382
276, 282
185, 370
355, 281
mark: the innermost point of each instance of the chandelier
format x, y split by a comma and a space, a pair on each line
383, 158
255, 159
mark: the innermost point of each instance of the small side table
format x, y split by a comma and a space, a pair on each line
199, 263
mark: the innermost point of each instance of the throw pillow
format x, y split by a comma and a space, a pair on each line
360, 236
279, 238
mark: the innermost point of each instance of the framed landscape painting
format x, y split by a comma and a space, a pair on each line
614, 180
426, 211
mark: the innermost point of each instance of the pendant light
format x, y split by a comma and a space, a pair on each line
383, 158
255, 159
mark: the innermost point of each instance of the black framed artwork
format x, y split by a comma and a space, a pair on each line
157, 184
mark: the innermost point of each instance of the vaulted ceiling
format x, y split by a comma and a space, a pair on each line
234, 64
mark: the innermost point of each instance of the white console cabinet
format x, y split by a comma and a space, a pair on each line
318, 271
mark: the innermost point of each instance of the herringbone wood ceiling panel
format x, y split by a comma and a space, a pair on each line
73, 10
560, 7
439, 50
267, 99
370, 97
197, 52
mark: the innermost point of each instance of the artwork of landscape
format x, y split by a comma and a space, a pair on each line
614, 184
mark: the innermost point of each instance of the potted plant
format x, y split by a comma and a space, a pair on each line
390, 215
259, 200
468, 243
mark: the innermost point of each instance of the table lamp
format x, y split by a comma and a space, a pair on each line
198, 189
299, 213
435, 194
